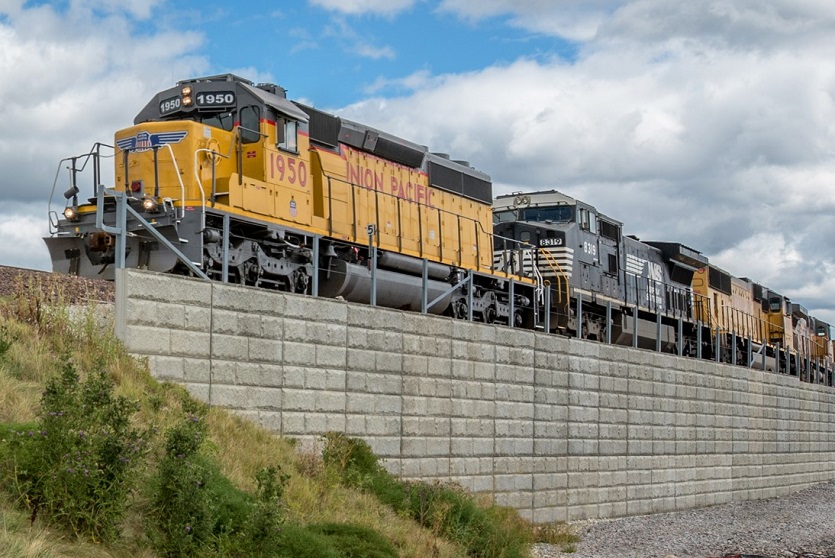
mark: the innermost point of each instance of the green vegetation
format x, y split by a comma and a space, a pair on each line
98, 459
447, 511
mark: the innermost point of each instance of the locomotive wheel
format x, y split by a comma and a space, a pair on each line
459, 310
301, 281
489, 315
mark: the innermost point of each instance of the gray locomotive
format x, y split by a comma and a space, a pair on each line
595, 271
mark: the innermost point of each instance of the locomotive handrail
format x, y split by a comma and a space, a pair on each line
239, 148
557, 269
72, 192
183, 188
214, 176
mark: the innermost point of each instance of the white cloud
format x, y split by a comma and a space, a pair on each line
576, 20
360, 7
375, 53
686, 122
67, 74
354, 42
22, 235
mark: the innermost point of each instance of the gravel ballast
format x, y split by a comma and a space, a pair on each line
801, 524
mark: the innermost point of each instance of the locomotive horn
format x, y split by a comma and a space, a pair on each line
73, 191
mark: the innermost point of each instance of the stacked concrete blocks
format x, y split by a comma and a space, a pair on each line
558, 428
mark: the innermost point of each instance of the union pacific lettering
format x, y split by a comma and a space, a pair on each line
365, 177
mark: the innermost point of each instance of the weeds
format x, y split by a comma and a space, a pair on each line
558, 534
5, 340
448, 511
79, 463
208, 511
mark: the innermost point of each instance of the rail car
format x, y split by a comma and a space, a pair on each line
655, 294
227, 179
644, 287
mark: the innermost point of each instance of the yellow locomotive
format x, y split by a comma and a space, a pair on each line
227, 179
783, 333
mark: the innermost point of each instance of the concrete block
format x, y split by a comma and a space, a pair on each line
166, 368
299, 353
230, 347
265, 350
146, 340
161, 287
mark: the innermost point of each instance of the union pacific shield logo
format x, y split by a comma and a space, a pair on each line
143, 141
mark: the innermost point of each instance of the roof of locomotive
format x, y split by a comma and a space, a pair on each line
519, 200
329, 130
269, 94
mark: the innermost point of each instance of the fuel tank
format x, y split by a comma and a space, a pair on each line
394, 290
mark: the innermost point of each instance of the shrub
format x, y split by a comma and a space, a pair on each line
447, 510
263, 531
182, 518
355, 541
196, 510
79, 464
296, 541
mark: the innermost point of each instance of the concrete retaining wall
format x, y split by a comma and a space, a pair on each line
560, 429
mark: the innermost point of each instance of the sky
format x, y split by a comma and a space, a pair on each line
706, 122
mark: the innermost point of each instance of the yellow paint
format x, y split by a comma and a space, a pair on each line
315, 191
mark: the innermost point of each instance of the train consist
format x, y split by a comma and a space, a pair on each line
229, 180
658, 294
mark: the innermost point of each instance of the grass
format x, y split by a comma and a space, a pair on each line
319, 511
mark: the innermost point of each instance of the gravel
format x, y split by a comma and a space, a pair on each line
801, 524
73, 290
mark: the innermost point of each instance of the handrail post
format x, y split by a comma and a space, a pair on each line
547, 304
424, 277
225, 255
699, 339
512, 300
658, 332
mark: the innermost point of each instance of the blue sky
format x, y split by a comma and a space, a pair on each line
334, 58
707, 122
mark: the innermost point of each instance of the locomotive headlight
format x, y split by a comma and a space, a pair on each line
186, 93
70, 214
150, 205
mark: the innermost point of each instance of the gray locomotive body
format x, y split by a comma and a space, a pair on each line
608, 285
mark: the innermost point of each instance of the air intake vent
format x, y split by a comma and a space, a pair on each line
324, 128
719, 280
398, 153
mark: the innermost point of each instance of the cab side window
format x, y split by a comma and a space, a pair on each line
588, 221
250, 122
288, 131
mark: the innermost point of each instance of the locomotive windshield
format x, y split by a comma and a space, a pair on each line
504, 216
224, 121
552, 214
555, 214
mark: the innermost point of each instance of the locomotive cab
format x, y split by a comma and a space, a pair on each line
205, 143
